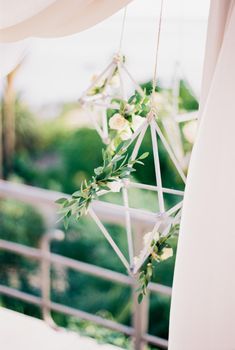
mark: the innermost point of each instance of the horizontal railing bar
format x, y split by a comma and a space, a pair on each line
91, 269
151, 339
80, 314
21, 249
20, 295
79, 266
160, 288
92, 318
109, 212
66, 310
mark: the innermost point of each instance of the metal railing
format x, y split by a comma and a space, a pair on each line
45, 199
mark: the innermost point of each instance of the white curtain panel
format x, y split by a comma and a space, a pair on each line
203, 301
13, 11
23, 19
220, 12
48, 18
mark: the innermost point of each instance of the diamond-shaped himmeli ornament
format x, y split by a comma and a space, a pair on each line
164, 218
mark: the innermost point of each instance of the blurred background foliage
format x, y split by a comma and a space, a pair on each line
56, 156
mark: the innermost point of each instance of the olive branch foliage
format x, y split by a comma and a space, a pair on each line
114, 168
148, 269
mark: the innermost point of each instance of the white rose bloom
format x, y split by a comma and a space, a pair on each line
157, 99
147, 249
137, 121
125, 134
115, 186
190, 131
167, 253
148, 237
118, 122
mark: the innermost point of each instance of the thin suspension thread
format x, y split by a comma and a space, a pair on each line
159, 26
122, 30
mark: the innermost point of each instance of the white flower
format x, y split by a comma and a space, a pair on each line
157, 99
148, 237
137, 121
125, 134
166, 253
147, 248
118, 122
115, 186
190, 131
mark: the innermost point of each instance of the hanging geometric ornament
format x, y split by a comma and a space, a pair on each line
130, 119
116, 170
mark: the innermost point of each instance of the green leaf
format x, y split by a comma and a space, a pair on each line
131, 99
104, 187
72, 202
119, 147
149, 270
139, 162
61, 200
140, 298
98, 170
76, 194
117, 158
144, 155
66, 223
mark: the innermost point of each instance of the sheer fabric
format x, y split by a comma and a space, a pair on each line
203, 301
20, 20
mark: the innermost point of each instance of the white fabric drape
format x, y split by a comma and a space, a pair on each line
13, 12
56, 18
20, 20
219, 16
203, 301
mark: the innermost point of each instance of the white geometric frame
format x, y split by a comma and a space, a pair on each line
163, 218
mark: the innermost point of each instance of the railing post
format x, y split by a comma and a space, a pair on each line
140, 311
46, 273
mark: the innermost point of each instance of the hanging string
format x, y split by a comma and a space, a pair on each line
154, 82
122, 30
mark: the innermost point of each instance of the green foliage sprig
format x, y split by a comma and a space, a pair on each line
159, 248
114, 168
135, 105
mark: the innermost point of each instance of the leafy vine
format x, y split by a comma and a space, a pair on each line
114, 169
